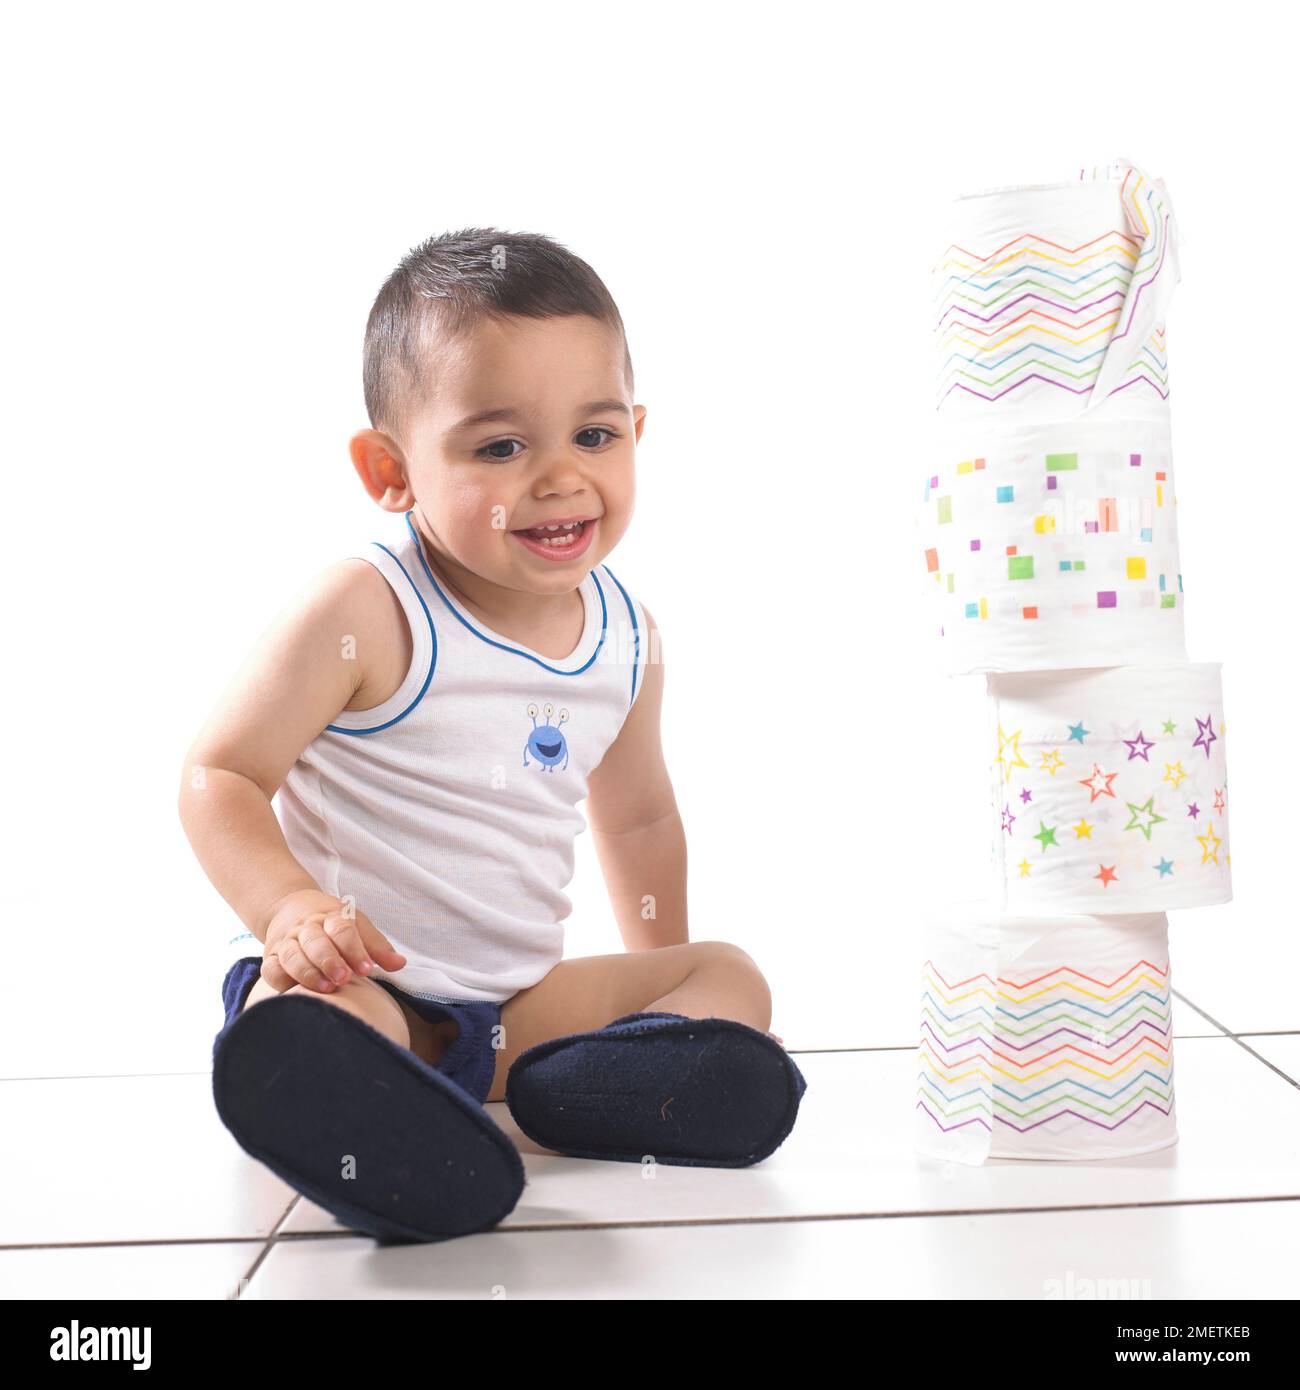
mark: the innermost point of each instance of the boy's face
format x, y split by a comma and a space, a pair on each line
527, 422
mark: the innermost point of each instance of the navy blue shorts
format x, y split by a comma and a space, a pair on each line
470, 1061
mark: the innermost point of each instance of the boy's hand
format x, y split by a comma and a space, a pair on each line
312, 939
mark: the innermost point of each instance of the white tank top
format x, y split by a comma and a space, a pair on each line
448, 814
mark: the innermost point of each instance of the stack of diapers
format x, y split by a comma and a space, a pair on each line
1050, 547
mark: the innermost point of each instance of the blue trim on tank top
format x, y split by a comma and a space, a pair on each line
636, 634
604, 615
433, 660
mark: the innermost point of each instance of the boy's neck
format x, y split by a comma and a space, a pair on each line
513, 613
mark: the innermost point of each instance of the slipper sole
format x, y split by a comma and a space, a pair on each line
696, 1092
361, 1126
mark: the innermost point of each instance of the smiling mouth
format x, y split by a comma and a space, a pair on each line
557, 537
548, 750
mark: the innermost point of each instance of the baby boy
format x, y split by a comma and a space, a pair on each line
430, 711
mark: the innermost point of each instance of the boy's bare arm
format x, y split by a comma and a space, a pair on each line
634, 820
343, 644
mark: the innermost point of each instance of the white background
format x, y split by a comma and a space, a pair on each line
202, 205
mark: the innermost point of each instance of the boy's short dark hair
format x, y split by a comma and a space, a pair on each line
448, 283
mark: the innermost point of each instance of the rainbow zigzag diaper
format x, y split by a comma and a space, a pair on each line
1045, 1037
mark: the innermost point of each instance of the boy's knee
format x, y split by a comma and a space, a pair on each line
368, 1001
357, 992
728, 955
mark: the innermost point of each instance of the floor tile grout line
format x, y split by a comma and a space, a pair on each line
1182, 998
918, 1213
132, 1244
1272, 1066
533, 1228
247, 1279
1236, 1037
793, 1051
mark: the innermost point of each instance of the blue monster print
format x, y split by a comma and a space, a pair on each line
546, 743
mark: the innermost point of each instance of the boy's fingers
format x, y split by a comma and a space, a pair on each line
293, 959
275, 974
345, 933
319, 948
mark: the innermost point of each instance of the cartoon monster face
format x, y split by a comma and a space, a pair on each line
546, 743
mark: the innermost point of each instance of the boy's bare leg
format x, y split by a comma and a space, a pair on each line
700, 979
375, 1006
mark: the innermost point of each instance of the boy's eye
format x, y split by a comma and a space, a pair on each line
585, 440
500, 449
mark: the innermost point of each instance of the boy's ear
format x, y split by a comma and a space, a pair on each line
382, 470
638, 420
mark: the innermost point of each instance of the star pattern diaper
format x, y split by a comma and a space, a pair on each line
1110, 789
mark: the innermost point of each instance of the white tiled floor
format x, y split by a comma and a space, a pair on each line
129, 1185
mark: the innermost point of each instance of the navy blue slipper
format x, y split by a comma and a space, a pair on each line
360, 1125
700, 1092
